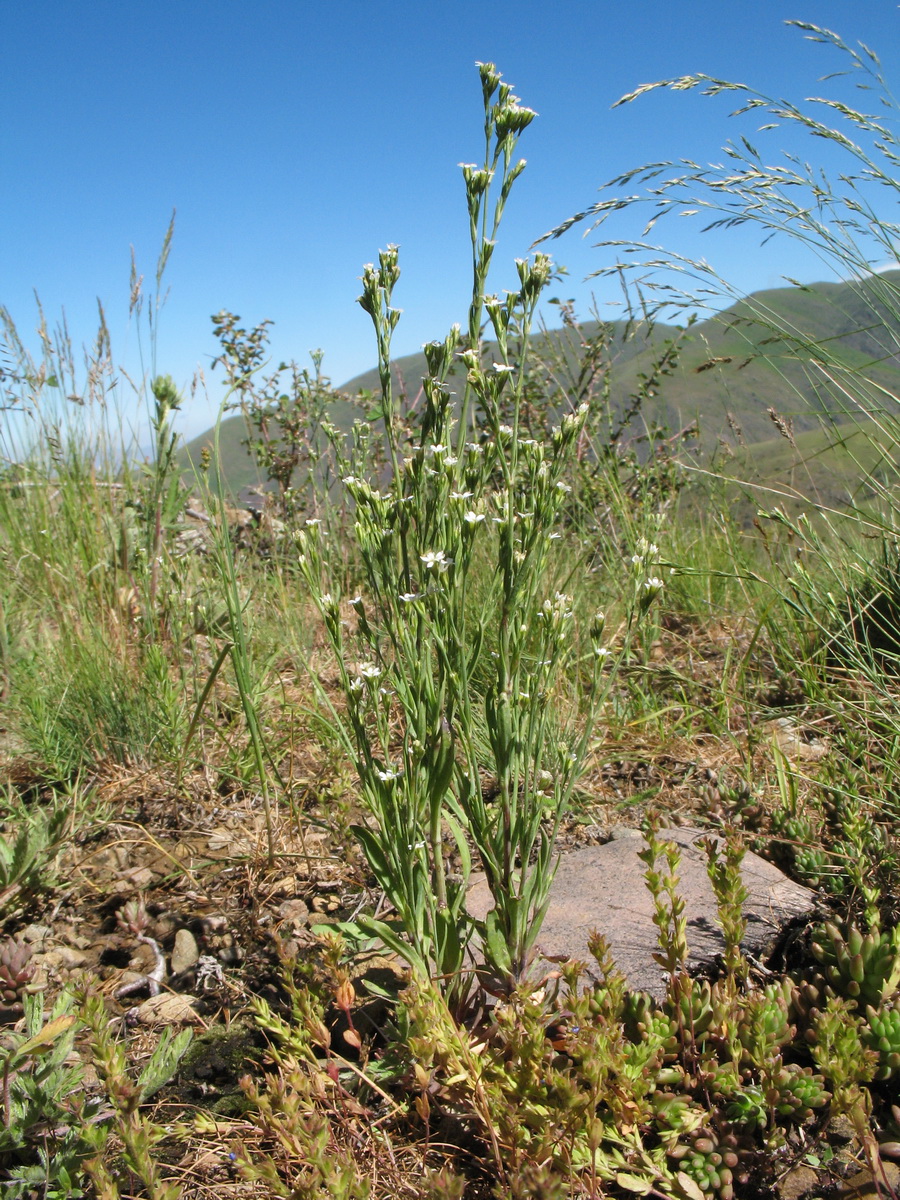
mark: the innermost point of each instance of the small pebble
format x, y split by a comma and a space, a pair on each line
294, 911
185, 952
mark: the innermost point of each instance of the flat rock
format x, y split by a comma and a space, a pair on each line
603, 888
865, 1185
169, 1008
36, 935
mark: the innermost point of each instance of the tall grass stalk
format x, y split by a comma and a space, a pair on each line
85, 535
238, 647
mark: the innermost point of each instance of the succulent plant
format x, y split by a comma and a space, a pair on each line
803, 838
645, 1022
748, 1108
817, 868
133, 917
677, 1113
706, 1162
840, 1053
882, 1033
764, 1026
16, 972
690, 1004
798, 1092
861, 967
720, 1077
808, 998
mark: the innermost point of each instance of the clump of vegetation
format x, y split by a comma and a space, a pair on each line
285, 413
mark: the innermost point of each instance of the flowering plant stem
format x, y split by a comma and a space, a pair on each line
423, 667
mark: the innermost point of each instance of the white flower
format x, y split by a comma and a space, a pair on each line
563, 487
553, 537
461, 495
388, 776
437, 448
311, 521
636, 559
506, 429
603, 652
327, 600
356, 602
408, 597
653, 584
502, 367
436, 560
651, 549
472, 517
368, 670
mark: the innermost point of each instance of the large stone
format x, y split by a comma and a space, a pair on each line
603, 888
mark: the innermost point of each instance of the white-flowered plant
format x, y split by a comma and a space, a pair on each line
458, 718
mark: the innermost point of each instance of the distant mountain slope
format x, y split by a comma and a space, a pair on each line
732, 369
735, 365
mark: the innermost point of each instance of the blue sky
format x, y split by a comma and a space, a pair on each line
295, 139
